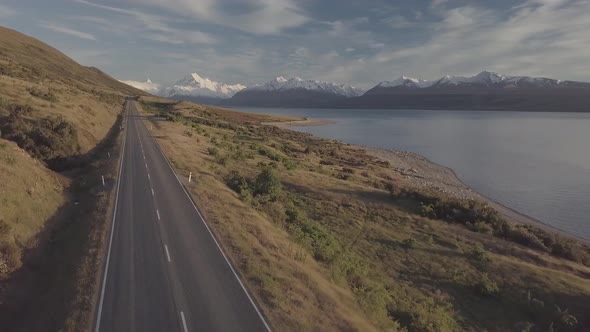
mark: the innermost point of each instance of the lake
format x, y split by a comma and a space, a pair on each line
536, 163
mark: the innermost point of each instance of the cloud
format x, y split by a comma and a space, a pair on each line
263, 17
147, 26
6, 11
539, 37
67, 31
181, 37
397, 21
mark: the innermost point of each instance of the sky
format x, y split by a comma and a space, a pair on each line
355, 42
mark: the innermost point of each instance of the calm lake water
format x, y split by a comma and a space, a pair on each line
535, 163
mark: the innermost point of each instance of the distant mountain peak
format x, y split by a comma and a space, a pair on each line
483, 79
147, 85
406, 82
281, 83
194, 85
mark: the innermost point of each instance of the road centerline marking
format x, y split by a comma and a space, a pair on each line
158, 213
167, 253
153, 192
183, 321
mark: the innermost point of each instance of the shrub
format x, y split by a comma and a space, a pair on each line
568, 249
221, 160
17, 111
50, 139
347, 170
289, 164
479, 254
427, 210
49, 95
213, 151
351, 268
487, 287
373, 298
408, 243
268, 153
268, 183
521, 234
312, 235
483, 227
342, 176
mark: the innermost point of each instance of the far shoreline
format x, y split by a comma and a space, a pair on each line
304, 122
507, 212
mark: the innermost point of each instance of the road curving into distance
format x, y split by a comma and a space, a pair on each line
164, 270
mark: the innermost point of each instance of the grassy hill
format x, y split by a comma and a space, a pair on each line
58, 120
330, 236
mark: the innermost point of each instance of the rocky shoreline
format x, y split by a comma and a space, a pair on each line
422, 173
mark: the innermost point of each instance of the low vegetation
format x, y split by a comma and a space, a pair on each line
329, 237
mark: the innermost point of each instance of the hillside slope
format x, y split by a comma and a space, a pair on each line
57, 119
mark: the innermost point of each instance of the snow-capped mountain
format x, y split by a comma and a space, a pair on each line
483, 79
293, 92
282, 84
406, 82
194, 85
484, 91
147, 86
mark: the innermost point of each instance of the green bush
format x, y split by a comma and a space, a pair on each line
408, 243
486, 286
483, 227
373, 299
521, 234
482, 218
479, 254
427, 210
289, 164
312, 235
50, 139
264, 151
268, 183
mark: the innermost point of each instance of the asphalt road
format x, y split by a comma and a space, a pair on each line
164, 270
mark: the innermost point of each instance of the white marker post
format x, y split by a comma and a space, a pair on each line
190, 176
102, 180
109, 155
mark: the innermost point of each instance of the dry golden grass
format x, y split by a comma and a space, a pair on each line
413, 272
53, 222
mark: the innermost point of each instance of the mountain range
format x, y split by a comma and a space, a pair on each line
484, 91
276, 92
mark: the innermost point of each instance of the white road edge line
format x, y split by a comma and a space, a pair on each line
158, 212
213, 236
183, 321
106, 269
167, 253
